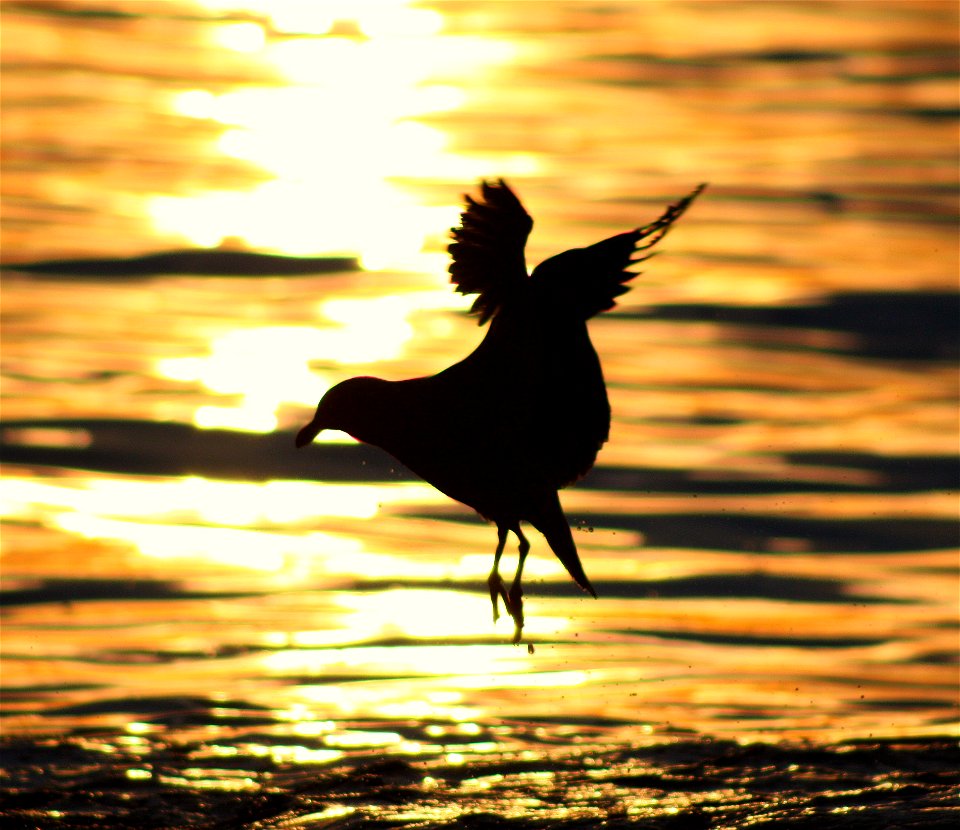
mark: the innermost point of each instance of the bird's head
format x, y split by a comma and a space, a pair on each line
348, 406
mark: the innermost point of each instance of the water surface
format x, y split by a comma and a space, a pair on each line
203, 626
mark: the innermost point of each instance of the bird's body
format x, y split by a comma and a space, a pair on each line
525, 413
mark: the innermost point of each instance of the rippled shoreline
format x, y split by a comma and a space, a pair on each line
251, 775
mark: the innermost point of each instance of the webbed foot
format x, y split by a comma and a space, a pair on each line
497, 590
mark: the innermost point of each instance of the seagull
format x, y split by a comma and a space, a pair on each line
525, 414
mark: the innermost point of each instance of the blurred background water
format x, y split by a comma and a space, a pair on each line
205, 627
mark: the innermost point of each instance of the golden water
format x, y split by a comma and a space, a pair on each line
771, 528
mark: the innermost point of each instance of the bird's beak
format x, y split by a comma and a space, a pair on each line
309, 432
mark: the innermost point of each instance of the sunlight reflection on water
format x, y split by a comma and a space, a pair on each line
194, 611
272, 366
329, 175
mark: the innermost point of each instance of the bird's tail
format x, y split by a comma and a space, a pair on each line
551, 522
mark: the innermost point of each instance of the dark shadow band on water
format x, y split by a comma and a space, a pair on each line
889, 325
204, 262
174, 449
753, 585
783, 535
743, 586
92, 590
170, 448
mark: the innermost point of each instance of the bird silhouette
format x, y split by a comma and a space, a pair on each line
524, 414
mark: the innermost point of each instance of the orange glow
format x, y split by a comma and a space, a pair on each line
359, 75
465, 667
260, 370
241, 524
371, 18
193, 499
253, 550
428, 614
265, 367
770, 526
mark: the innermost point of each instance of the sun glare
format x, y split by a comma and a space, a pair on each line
261, 368
199, 501
423, 613
240, 37
261, 526
258, 371
334, 135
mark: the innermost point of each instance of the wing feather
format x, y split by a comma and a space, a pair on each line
487, 248
590, 279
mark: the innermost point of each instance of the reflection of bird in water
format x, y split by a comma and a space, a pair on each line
524, 414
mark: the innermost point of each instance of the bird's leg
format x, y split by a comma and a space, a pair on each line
514, 600
494, 582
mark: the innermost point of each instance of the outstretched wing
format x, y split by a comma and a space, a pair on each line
488, 248
590, 279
